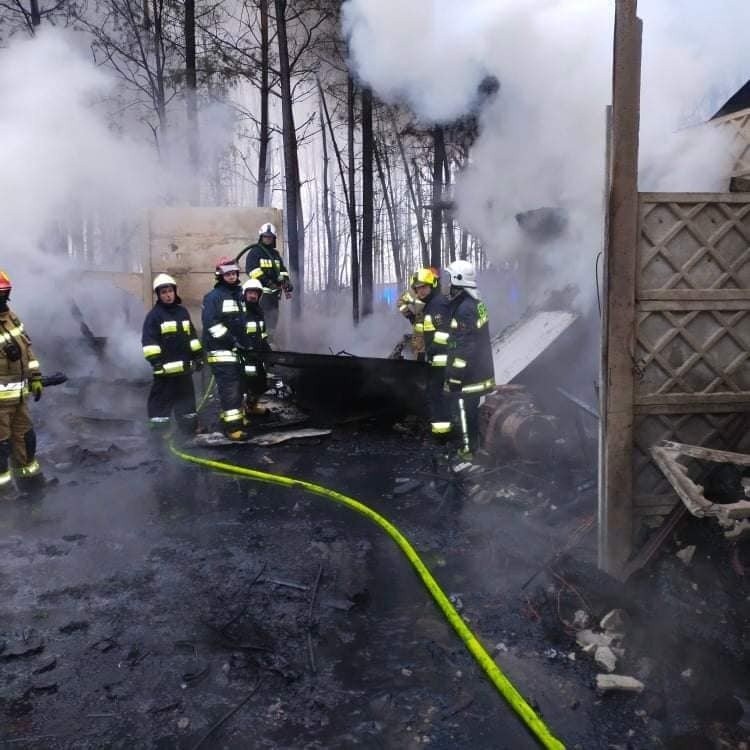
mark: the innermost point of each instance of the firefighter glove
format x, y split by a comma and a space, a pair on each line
37, 388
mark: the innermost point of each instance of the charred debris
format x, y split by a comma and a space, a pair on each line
291, 603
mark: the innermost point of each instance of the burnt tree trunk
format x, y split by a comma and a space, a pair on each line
420, 213
158, 89
291, 163
354, 253
263, 136
449, 224
347, 196
416, 203
36, 16
438, 157
367, 204
392, 223
330, 282
191, 104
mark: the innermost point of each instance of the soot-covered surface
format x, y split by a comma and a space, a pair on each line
142, 599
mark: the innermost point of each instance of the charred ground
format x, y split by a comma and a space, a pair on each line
144, 599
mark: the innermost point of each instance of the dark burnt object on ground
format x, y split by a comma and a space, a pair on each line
334, 384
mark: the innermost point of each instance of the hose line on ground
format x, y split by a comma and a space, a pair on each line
504, 686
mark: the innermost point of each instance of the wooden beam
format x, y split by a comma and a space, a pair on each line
616, 480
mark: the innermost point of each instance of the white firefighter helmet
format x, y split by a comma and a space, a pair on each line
252, 284
164, 279
267, 228
463, 275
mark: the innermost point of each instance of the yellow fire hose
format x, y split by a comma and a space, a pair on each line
504, 686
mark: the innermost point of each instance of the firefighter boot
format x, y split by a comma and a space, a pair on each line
7, 489
29, 478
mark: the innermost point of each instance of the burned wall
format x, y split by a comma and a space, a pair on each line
185, 243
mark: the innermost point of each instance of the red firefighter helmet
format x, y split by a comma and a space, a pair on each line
5, 283
226, 264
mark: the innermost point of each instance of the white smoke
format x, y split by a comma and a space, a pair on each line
60, 161
55, 147
542, 139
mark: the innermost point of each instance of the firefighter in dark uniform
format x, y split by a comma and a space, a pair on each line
264, 263
432, 327
172, 348
470, 369
20, 376
224, 340
256, 381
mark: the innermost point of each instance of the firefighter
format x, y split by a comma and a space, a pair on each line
264, 263
412, 308
470, 370
432, 325
20, 376
224, 340
172, 348
256, 381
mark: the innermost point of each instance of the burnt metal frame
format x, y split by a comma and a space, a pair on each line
731, 516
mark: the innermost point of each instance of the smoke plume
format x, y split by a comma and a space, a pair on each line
542, 137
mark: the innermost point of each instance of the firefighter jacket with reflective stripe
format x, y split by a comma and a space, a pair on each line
170, 343
18, 365
470, 363
255, 328
223, 320
265, 263
434, 323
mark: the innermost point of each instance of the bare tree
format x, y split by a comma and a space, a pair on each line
438, 158
191, 102
264, 90
354, 250
291, 157
29, 14
367, 203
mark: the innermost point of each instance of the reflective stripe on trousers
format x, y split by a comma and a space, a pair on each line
230, 416
221, 357
464, 426
440, 428
484, 387
30, 470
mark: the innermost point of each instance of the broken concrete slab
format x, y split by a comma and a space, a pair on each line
580, 619
588, 637
618, 682
686, 554
614, 621
605, 658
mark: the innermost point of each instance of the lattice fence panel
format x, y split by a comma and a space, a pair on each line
691, 352
696, 351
